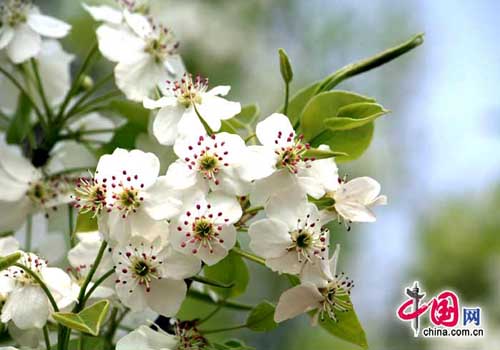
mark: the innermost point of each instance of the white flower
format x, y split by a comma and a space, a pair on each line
145, 54
209, 162
291, 239
82, 256
206, 229
279, 164
150, 274
128, 193
327, 298
114, 15
177, 114
22, 28
27, 305
54, 68
25, 190
354, 199
147, 339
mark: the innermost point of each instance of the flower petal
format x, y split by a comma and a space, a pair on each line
161, 201
165, 124
104, 13
166, 296
160, 103
275, 131
296, 301
260, 162
6, 35
138, 23
27, 307
180, 176
214, 109
227, 205
48, 26
179, 266
287, 263
288, 206
269, 238
221, 90
145, 338
14, 214
355, 212
25, 44
118, 43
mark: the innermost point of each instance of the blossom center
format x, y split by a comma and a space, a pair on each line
336, 296
308, 240
128, 201
188, 91
161, 45
90, 195
203, 228
33, 262
13, 12
292, 156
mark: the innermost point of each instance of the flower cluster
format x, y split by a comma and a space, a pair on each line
149, 229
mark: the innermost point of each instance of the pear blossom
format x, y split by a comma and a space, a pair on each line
27, 304
22, 27
206, 229
186, 337
279, 163
326, 298
209, 162
128, 195
54, 69
184, 102
114, 14
291, 238
354, 199
82, 256
145, 54
25, 190
151, 275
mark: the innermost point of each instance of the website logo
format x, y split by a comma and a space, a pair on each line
447, 318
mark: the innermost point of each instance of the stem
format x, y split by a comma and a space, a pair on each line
96, 284
41, 283
253, 210
210, 282
287, 97
92, 104
71, 227
249, 256
23, 91
46, 337
29, 232
89, 93
218, 330
249, 137
369, 63
224, 303
41, 90
81, 296
76, 81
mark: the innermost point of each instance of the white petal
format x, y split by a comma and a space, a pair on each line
288, 206
161, 201
280, 181
8, 245
227, 205
312, 186
142, 225
354, 212
179, 266
361, 189
14, 214
25, 44
54, 66
94, 121
221, 90
6, 35
27, 307
260, 162
214, 109
287, 263
104, 13
138, 75
228, 235
139, 24
325, 171
118, 43
132, 295
269, 238
212, 257
231, 183
190, 124
334, 260
166, 296
165, 124
48, 26
160, 103
275, 131
296, 301
145, 338
179, 176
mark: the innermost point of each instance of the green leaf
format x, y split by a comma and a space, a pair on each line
9, 260
327, 105
210, 282
355, 115
322, 154
285, 66
298, 102
261, 318
20, 124
230, 270
87, 343
347, 327
87, 321
86, 222
232, 344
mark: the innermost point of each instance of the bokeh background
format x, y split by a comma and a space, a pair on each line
436, 155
